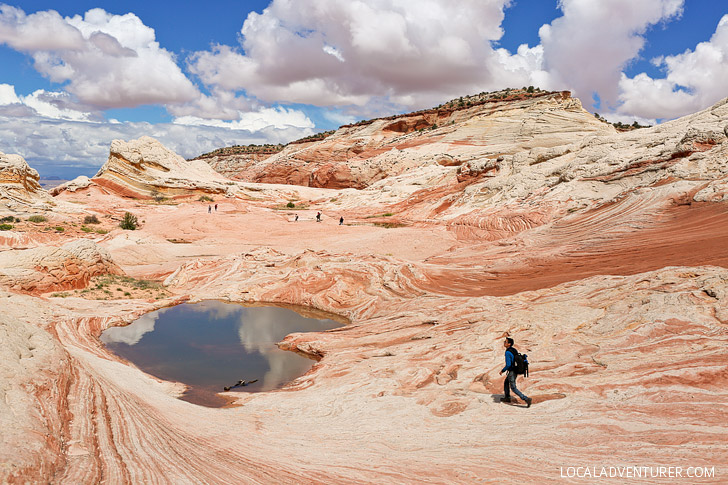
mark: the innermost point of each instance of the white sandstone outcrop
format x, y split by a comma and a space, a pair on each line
19, 186
48, 268
80, 182
143, 167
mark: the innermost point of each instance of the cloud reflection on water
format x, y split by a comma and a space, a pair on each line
260, 330
212, 344
132, 334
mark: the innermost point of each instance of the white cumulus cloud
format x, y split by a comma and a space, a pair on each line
255, 121
329, 53
7, 94
588, 47
694, 80
53, 146
108, 61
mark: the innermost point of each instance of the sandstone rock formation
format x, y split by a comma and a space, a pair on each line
145, 167
19, 186
602, 253
359, 155
78, 183
48, 268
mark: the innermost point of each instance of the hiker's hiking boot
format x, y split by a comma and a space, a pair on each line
528, 402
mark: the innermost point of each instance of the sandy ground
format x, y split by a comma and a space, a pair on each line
409, 391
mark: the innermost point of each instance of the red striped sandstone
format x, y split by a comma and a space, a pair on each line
603, 256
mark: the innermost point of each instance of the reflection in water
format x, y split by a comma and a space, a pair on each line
212, 344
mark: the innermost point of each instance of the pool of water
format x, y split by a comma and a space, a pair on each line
212, 345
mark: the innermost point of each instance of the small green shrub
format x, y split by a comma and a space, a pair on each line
5, 227
59, 228
101, 231
129, 222
389, 225
86, 229
290, 205
37, 219
8, 219
206, 198
92, 219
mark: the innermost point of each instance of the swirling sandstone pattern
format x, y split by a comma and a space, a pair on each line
604, 256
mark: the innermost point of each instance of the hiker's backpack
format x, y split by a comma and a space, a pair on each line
520, 362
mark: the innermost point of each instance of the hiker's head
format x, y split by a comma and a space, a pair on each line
508, 342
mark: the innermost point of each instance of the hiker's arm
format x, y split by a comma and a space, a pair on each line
509, 362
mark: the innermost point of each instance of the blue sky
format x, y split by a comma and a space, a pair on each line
200, 76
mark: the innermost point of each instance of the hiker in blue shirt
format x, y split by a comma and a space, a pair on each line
510, 381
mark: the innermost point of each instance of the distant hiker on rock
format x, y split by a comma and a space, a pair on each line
215, 207
209, 209
318, 217
341, 220
515, 364
296, 219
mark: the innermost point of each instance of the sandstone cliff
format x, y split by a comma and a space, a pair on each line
230, 166
359, 155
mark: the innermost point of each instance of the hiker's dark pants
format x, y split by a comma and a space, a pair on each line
510, 383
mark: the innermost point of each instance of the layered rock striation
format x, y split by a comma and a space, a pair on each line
145, 168
43, 269
356, 156
602, 253
19, 186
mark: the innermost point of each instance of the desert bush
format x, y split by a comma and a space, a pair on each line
290, 205
92, 219
37, 219
389, 225
8, 219
205, 198
5, 227
129, 222
59, 229
86, 229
